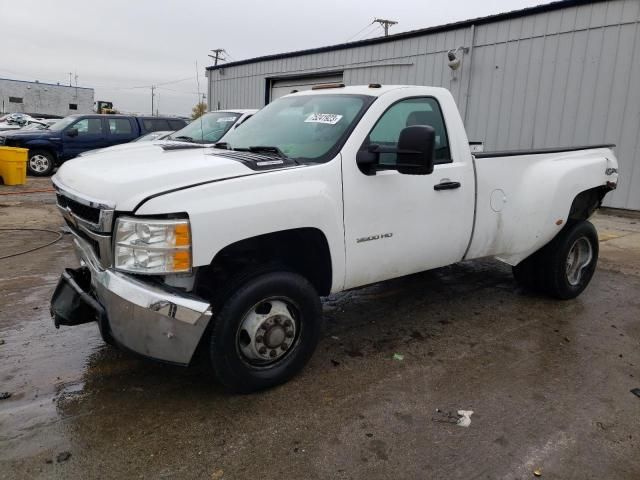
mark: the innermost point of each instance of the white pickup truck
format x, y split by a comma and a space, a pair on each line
228, 249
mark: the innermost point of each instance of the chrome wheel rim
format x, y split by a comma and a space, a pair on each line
268, 331
39, 163
579, 258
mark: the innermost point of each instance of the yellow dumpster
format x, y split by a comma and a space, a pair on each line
13, 165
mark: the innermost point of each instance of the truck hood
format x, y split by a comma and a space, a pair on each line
136, 146
125, 178
31, 134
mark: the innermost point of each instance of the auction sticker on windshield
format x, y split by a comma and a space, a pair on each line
328, 118
226, 119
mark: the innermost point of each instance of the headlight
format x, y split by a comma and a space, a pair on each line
152, 246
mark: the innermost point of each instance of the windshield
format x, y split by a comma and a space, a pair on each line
209, 128
62, 124
304, 127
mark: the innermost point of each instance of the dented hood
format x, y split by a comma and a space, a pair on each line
126, 177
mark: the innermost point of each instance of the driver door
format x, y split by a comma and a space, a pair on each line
397, 224
91, 134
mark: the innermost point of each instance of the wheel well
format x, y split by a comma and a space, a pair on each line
43, 149
302, 250
587, 202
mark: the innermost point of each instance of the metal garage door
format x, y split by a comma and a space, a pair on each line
285, 86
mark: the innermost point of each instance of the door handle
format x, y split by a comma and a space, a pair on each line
446, 186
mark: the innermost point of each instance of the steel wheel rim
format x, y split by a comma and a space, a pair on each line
579, 258
268, 332
39, 163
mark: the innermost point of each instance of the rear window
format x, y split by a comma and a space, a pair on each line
156, 124
120, 126
177, 124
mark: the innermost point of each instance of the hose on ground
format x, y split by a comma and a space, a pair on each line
60, 235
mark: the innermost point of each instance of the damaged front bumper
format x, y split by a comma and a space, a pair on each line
144, 318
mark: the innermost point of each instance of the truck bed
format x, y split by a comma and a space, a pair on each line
508, 224
540, 151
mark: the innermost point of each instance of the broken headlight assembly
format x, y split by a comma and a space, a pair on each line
152, 247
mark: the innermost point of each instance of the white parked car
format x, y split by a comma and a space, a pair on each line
206, 130
230, 248
152, 136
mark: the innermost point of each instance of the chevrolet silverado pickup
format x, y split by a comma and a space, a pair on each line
226, 250
75, 134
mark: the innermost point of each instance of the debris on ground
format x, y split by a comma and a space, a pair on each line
397, 356
636, 392
5, 395
462, 418
465, 418
63, 457
335, 363
217, 475
537, 472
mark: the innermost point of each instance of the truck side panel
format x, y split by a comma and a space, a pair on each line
524, 201
225, 212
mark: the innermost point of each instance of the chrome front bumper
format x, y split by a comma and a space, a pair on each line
146, 319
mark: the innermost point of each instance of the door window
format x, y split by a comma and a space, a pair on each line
412, 111
177, 124
88, 126
156, 124
120, 126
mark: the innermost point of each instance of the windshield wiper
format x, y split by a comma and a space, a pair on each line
183, 137
222, 145
270, 149
267, 149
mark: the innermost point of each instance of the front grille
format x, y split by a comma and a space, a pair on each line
90, 214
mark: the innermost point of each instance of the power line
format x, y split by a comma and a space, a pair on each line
369, 33
358, 32
372, 28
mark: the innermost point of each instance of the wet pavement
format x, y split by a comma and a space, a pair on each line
548, 382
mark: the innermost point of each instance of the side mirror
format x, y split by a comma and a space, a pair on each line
415, 153
416, 150
72, 132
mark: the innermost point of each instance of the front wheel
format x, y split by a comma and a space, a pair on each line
265, 332
40, 164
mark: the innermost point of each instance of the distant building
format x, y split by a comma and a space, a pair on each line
560, 74
37, 98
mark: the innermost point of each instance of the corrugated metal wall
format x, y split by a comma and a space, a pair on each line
558, 78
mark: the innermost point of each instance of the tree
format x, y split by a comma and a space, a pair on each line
199, 110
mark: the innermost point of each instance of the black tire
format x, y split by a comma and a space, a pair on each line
40, 163
228, 337
549, 270
558, 253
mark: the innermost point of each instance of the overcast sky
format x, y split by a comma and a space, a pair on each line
117, 45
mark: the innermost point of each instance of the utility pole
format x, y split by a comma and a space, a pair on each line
385, 24
153, 89
218, 54
70, 75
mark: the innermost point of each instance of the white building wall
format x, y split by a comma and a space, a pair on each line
44, 98
560, 77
